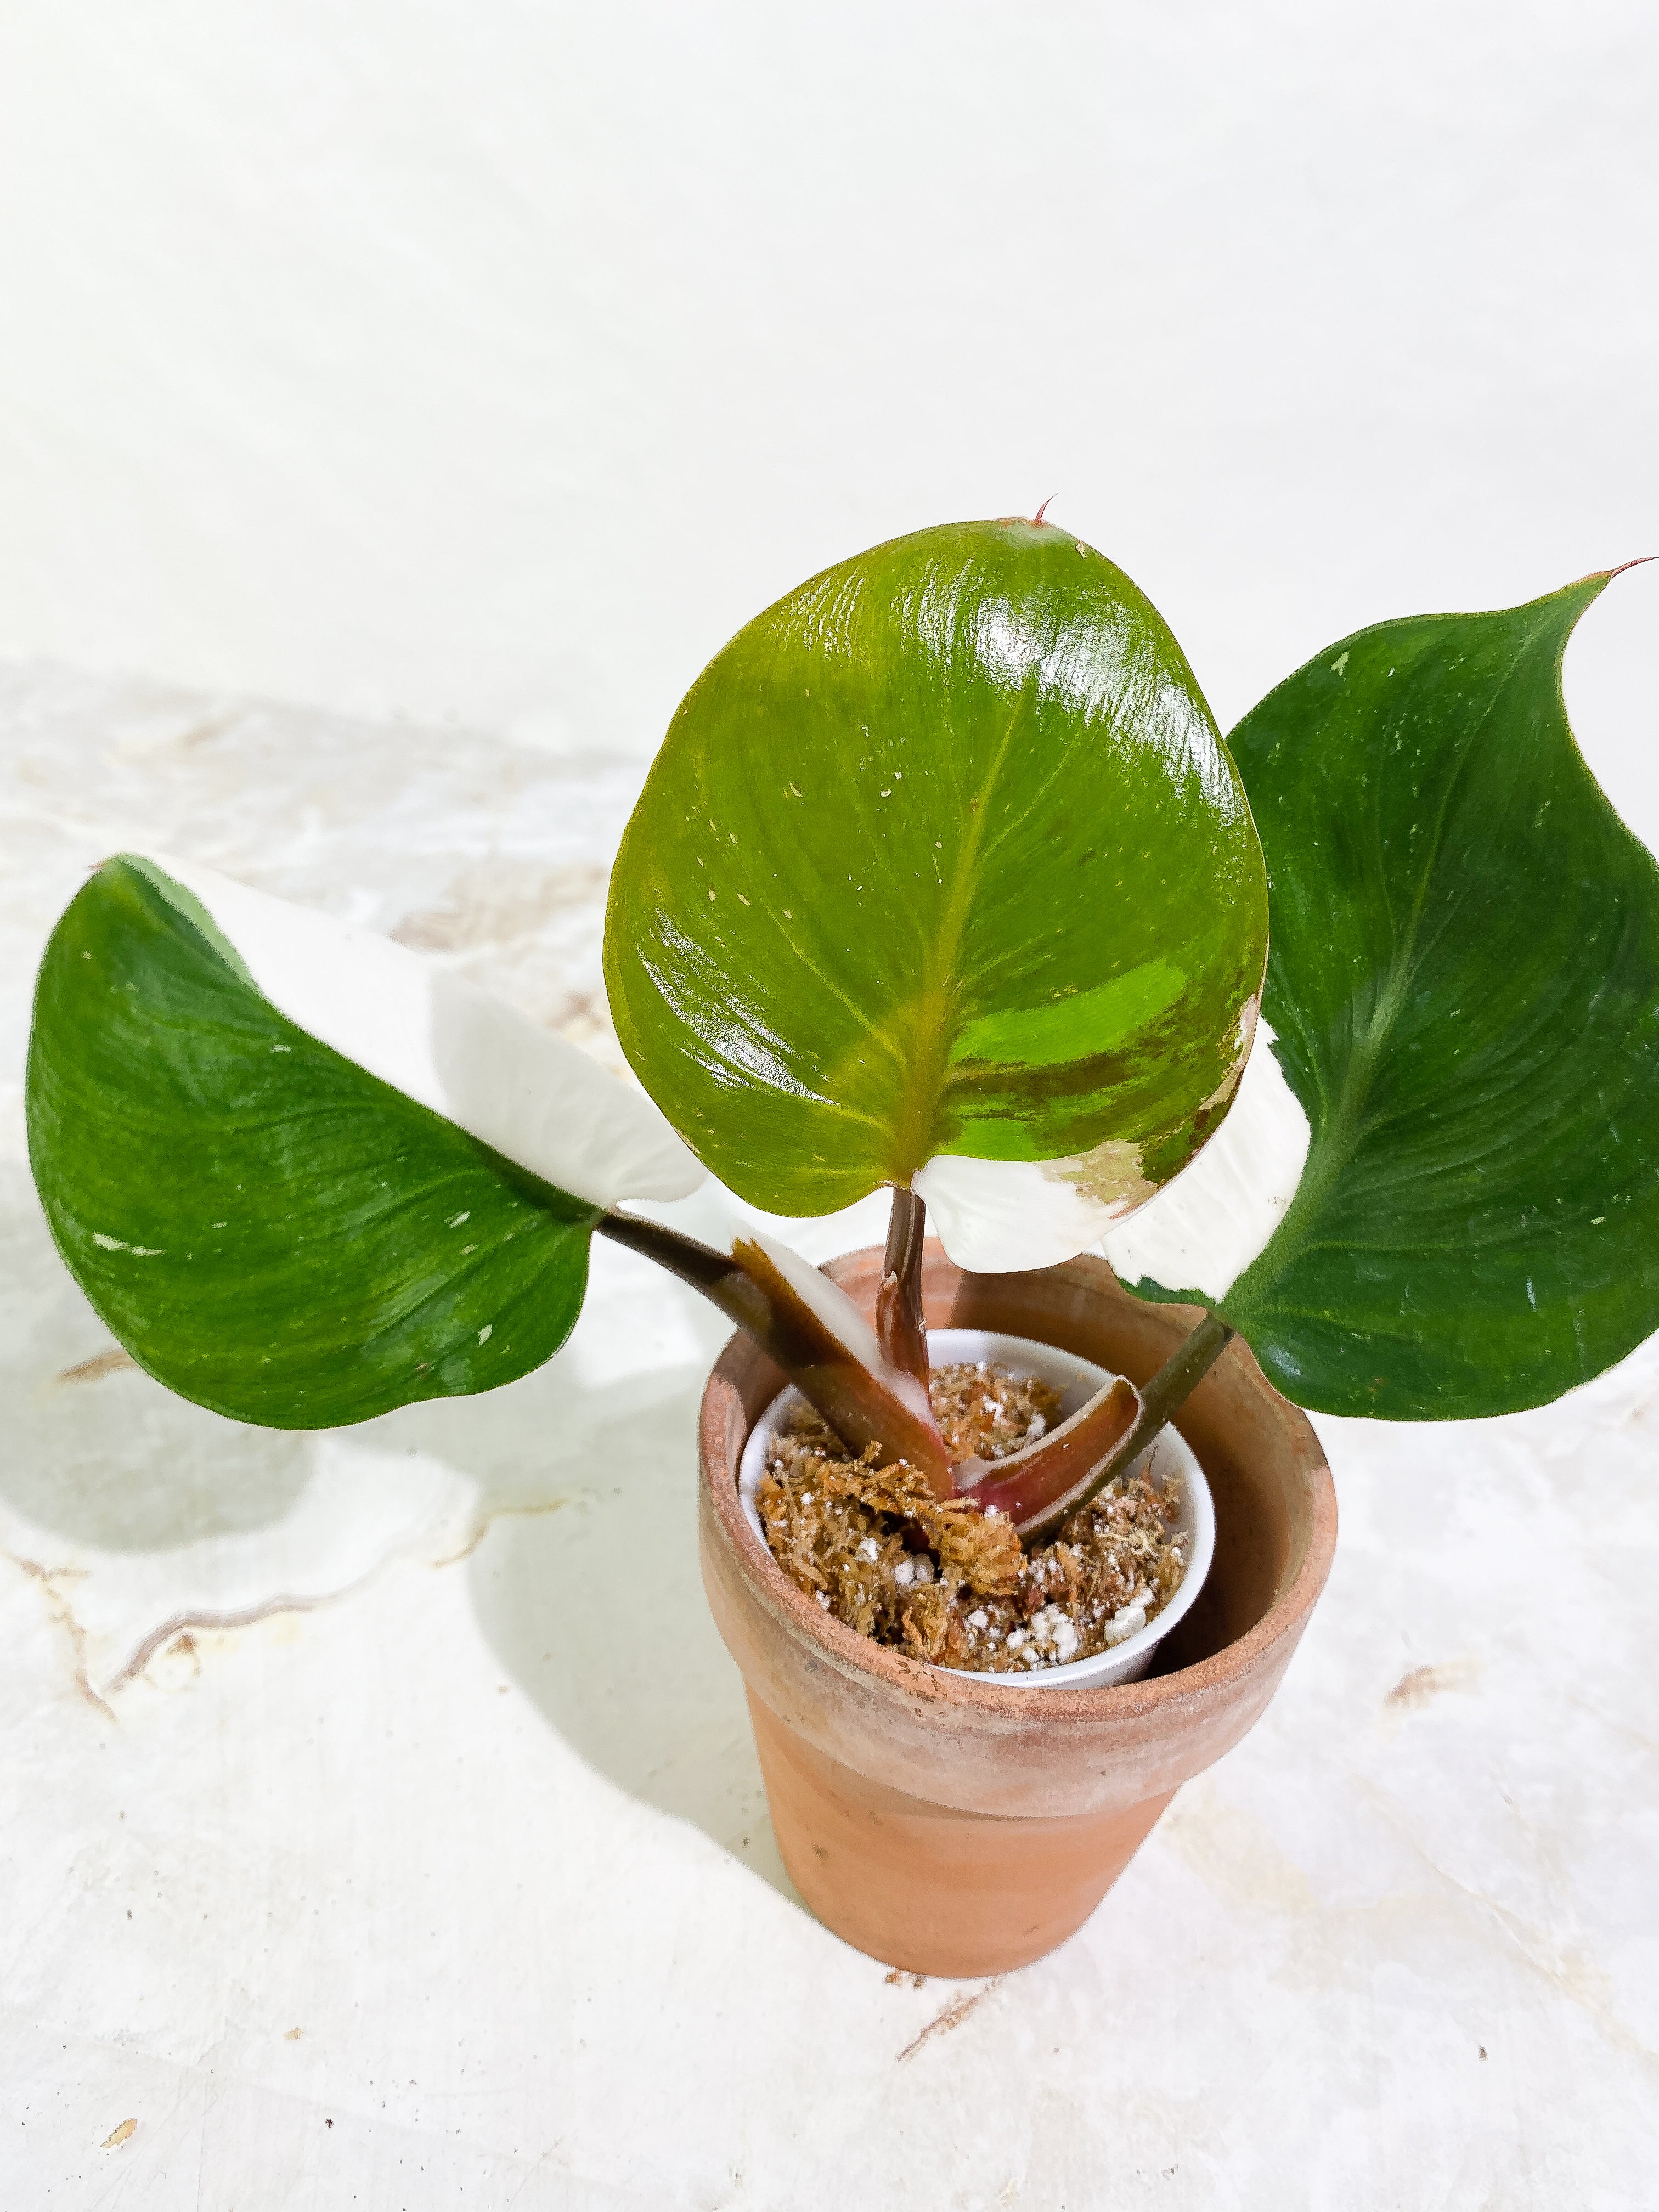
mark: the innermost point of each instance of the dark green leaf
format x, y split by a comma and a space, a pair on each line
268, 1229
1465, 986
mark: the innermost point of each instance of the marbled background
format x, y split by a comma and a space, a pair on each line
363, 1846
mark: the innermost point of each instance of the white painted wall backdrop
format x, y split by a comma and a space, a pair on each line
496, 359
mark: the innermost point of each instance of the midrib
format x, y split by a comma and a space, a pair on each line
937, 1017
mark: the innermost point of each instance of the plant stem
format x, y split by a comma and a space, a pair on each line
700, 1265
1047, 1479
811, 1330
899, 1325
1169, 1389
888, 1405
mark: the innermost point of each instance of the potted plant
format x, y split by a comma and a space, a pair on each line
944, 880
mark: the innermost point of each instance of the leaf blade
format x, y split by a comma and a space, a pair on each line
270, 1230
1465, 984
889, 890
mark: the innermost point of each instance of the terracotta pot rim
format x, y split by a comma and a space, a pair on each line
850, 1654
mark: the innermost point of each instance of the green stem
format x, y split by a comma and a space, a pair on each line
1169, 1389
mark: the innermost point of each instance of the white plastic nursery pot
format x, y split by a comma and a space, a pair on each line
1168, 1457
962, 1823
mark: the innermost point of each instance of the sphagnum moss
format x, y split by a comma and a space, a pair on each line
942, 1580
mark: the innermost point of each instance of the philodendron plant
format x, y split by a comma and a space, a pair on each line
1345, 1029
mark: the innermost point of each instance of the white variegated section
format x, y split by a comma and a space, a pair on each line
472, 1058
1200, 1232
1203, 1229
995, 1216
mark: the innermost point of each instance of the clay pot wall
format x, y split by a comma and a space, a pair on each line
953, 1823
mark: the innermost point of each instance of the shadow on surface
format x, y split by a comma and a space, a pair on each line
96, 1450
586, 1583
595, 1607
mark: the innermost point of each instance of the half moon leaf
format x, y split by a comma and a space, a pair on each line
1465, 987
269, 1226
943, 876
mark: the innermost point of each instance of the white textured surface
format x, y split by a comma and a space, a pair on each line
446, 1880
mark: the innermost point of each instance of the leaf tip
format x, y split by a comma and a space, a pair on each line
1605, 575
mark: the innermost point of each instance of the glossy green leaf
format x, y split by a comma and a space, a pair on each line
1465, 986
943, 861
269, 1229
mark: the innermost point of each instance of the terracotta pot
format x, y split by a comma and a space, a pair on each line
946, 1823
